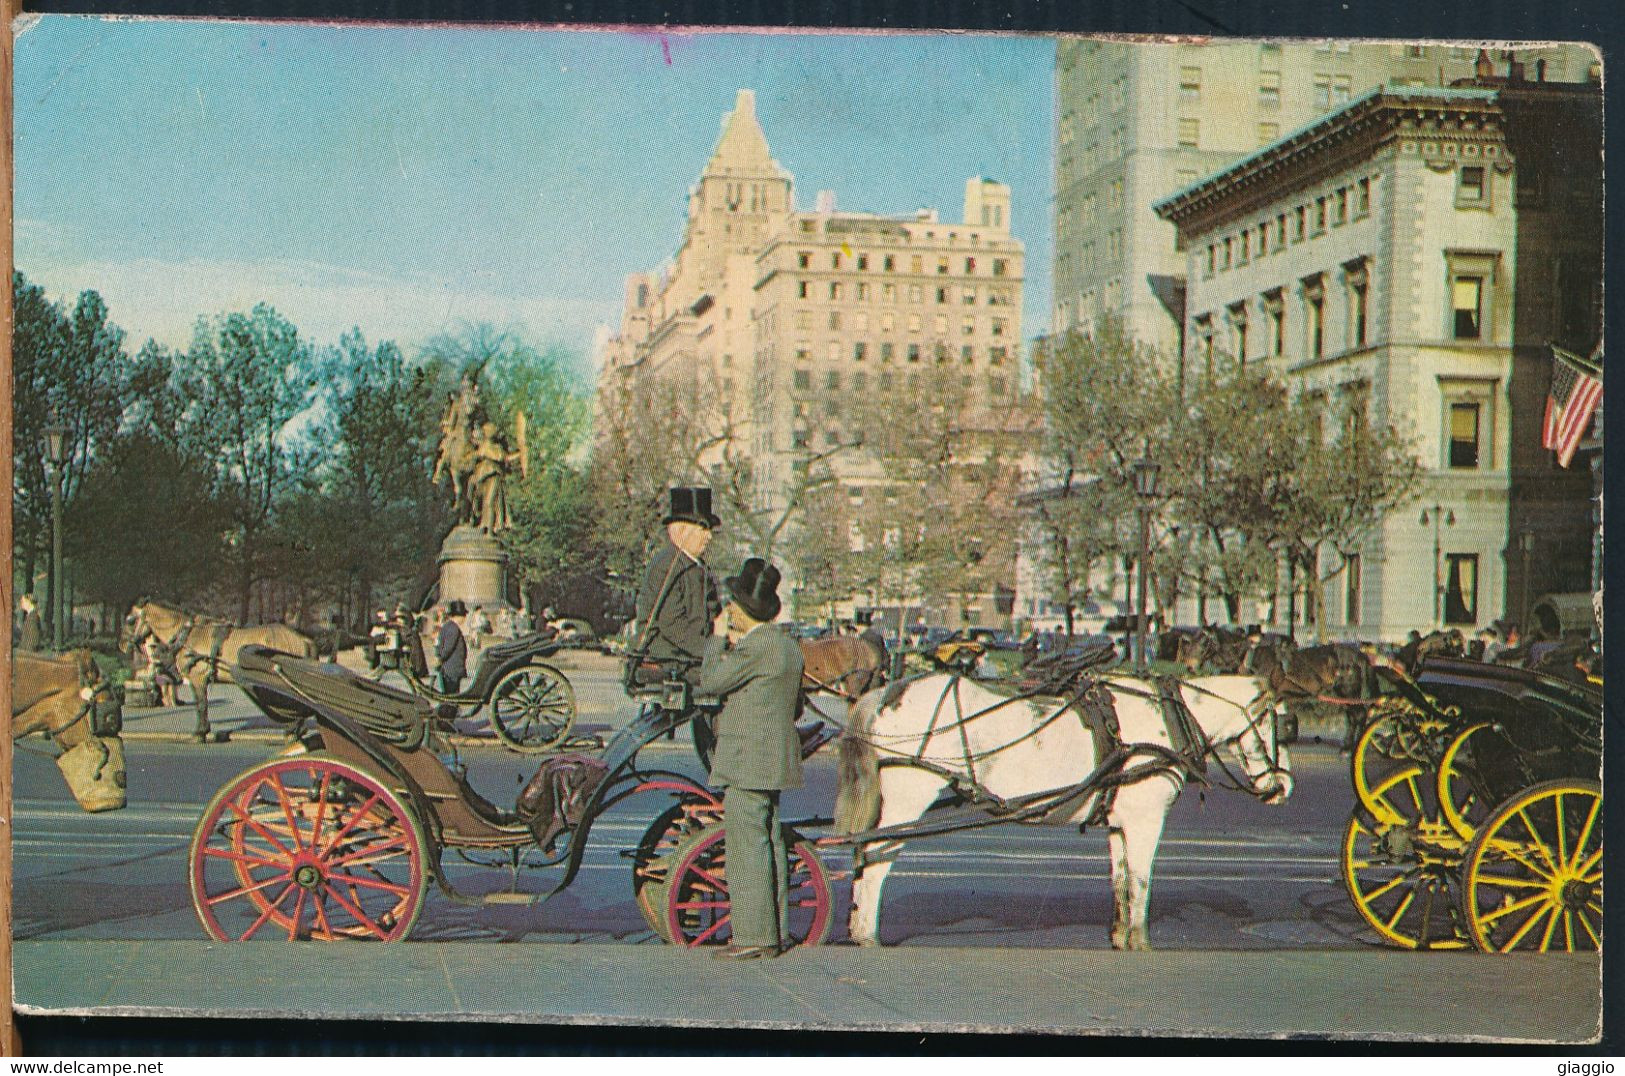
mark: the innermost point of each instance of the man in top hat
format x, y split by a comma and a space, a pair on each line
756, 668
450, 649
678, 599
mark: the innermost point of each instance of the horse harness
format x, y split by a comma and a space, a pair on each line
189, 657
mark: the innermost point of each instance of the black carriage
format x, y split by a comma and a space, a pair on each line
341, 836
1478, 821
530, 703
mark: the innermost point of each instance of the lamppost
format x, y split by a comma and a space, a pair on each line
1526, 546
1145, 488
56, 438
1440, 518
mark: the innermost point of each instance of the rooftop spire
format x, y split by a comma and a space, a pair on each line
743, 146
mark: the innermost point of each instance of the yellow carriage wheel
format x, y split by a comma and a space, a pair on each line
1400, 875
1391, 747
1458, 799
1533, 876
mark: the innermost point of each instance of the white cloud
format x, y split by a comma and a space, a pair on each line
163, 299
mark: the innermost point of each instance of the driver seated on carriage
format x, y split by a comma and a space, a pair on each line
678, 601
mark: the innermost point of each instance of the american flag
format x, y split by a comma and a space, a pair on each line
1572, 401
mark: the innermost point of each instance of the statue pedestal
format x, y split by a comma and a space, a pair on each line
474, 568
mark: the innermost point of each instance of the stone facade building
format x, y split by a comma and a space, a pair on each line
795, 323
1415, 254
1138, 121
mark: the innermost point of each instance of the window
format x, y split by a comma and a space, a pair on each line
995, 385
803, 353
914, 353
834, 259
890, 264
1341, 88
968, 327
942, 266
998, 326
1190, 84
1263, 239
834, 290
1357, 277
1280, 232
860, 351
888, 322
888, 293
1203, 339
802, 290
804, 320
831, 409
968, 296
1340, 207
915, 323
886, 381
1268, 132
800, 439
1274, 309
916, 293
863, 292
1461, 588
1298, 222
804, 260
996, 355
1189, 130
1351, 589
1323, 92
803, 379
1238, 329
1314, 309
1467, 307
998, 266
1269, 89
1464, 431
860, 321
888, 351
863, 263
832, 351
832, 380
1212, 257
1246, 248
1362, 198
967, 354
1320, 215
939, 324
1471, 190
970, 266
916, 264
1229, 250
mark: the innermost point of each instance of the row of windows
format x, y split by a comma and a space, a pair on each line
838, 291
888, 351
837, 320
888, 263
1308, 221
1265, 336
885, 381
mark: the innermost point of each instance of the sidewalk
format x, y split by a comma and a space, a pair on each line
1385, 994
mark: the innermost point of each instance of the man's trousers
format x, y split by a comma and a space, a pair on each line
758, 889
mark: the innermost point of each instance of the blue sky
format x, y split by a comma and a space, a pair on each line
406, 179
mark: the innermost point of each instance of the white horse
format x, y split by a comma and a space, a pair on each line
900, 752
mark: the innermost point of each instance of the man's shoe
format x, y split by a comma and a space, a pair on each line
745, 952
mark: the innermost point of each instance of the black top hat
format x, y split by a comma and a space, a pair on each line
455, 607
691, 504
756, 589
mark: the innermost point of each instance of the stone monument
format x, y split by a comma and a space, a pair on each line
475, 460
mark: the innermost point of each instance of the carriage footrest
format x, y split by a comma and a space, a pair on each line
510, 898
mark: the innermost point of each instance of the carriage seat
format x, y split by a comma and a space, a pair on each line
494, 658
394, 716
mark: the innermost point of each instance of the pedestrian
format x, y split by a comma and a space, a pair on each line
450, 649
166, 678
756, 669
678, 602
32, 630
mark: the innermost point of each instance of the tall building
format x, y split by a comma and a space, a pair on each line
793, 319
1140, 121
1414, 255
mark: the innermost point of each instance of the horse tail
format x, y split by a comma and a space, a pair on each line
857, 796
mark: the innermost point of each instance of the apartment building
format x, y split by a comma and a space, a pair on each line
1414, 254
1139, 121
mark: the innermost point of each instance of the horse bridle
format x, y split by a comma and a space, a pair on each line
1254, 714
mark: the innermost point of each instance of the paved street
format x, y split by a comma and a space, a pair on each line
1239, 886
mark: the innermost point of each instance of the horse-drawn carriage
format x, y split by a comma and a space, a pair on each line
531, 704
340, 837
1478, 820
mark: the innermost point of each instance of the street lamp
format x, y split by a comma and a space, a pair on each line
56, 445
1440, 518
1145, 489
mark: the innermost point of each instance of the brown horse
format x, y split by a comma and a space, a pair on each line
206, 649
844, 665
65, 695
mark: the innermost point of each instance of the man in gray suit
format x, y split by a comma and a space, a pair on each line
756, 668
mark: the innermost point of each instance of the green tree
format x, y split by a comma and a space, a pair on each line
246, 379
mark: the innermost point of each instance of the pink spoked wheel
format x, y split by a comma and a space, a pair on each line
696, 891
696, 807
308, 847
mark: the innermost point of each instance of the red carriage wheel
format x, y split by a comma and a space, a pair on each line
650, 862
307, 847
696, 891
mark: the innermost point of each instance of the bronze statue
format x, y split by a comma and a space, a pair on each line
476, 459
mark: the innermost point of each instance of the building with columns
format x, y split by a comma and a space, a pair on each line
796, 322
1416, 253
1137, 121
